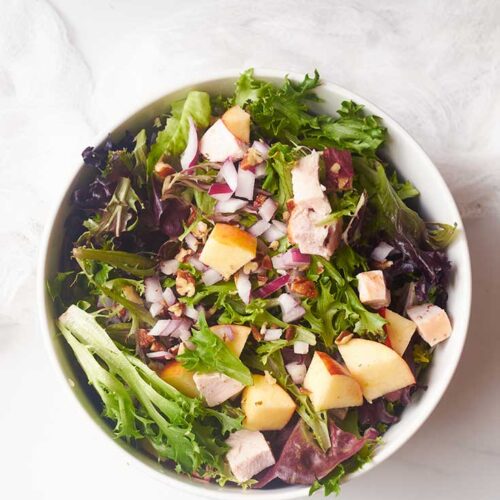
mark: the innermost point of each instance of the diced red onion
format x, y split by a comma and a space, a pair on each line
190, 155
152, 289
243, 286
105, 301
210, 277
169, 267
225, 218
297, 372
185, 335
381, 251
273, 234
158, 354
230, 206
268, 209
279, 225
197, 264
246, 184
156, 308
290, 259
191, 242
272, 286
260, 171
229, 174
273, 334
259, 228
183, 329
300, 347
163, 327
261, 148
169, 297
191, 313
220, 191
293, 315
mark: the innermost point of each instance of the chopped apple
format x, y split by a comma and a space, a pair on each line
237, 121
267, 407
399, 330
330, 384
176, 375
236, 340
219, 143
228, 248
378, 368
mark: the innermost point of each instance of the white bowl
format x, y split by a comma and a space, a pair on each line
437, 204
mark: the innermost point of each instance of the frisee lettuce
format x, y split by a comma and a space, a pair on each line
142, 405
211, 354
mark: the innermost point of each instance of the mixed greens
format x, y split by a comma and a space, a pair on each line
249, 289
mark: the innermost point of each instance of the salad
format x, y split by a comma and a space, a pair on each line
247, 289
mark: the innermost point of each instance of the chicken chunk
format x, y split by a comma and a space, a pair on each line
249, 454
433, 323
372, 289
216, 387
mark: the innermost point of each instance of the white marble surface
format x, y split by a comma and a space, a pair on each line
70, 69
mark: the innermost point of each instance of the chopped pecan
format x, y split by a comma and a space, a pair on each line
289, 333
251, 159
286, 216
266, 263
185, 283
274, 245
262, 279
260, 198
250, 267
184, 254
144, 339
192, 215
177, 309
200, 231
163, 169
157, 346
256, 334
304, 287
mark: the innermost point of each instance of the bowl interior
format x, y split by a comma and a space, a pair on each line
436, 203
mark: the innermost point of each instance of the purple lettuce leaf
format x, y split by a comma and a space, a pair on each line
339, 171
303, 462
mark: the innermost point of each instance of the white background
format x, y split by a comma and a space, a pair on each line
70, 69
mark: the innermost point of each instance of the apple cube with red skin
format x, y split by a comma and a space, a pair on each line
433, 323
399, 330
330, 384
228, 248
378, 368
237, 121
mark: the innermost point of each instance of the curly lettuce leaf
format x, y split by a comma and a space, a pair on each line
142, 405
211, 354
172, 139
282, 113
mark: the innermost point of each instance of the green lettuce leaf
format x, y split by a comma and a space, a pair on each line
211, 354
282, 113
172, 139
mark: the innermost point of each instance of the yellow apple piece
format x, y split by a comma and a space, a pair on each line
176, 375
228, 248
237, 121
330, 384
378, 368
399, 330
267, 407
240, 335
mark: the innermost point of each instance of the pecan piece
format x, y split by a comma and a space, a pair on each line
185, 283
304, 287
144, 339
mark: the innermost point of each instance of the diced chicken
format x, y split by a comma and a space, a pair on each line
249, 454
305, 180
372, 289
310, 207
216, 387
218, 144
433, 323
